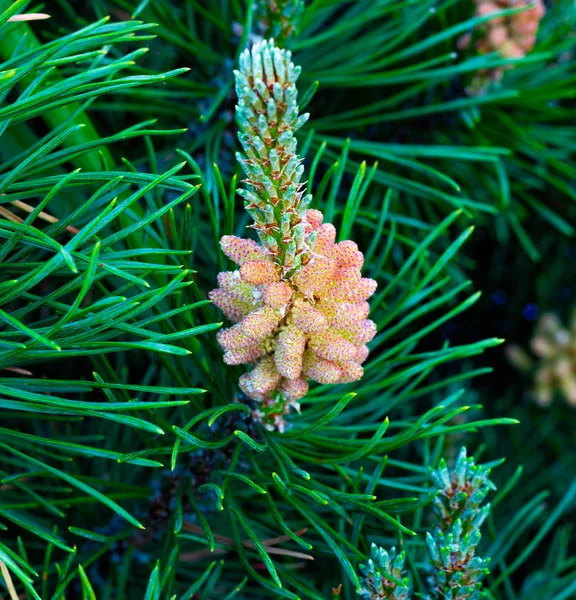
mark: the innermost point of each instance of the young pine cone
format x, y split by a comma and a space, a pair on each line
298, 300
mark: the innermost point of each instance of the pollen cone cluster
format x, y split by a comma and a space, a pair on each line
310, 325
298, 299
555, 345
512, 36
555, 371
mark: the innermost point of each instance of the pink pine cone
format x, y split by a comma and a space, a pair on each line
240, 250
310, 324
314, 218
291, 342
233, 309
293, 389
308, 318
277, 294
512, 36
259, 272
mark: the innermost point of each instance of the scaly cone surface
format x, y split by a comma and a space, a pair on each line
461, 492
268, 113
298, 299
376, 585
457, 572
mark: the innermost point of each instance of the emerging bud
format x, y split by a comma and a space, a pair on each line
375, 584
462, 491
458, 515
456, 573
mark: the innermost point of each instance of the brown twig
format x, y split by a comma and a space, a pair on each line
19, 370
10, 216
30, 17
226, 541
8, 580
42, 215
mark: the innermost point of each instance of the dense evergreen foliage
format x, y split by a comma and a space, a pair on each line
441, 140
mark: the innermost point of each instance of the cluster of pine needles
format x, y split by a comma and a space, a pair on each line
411, 459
